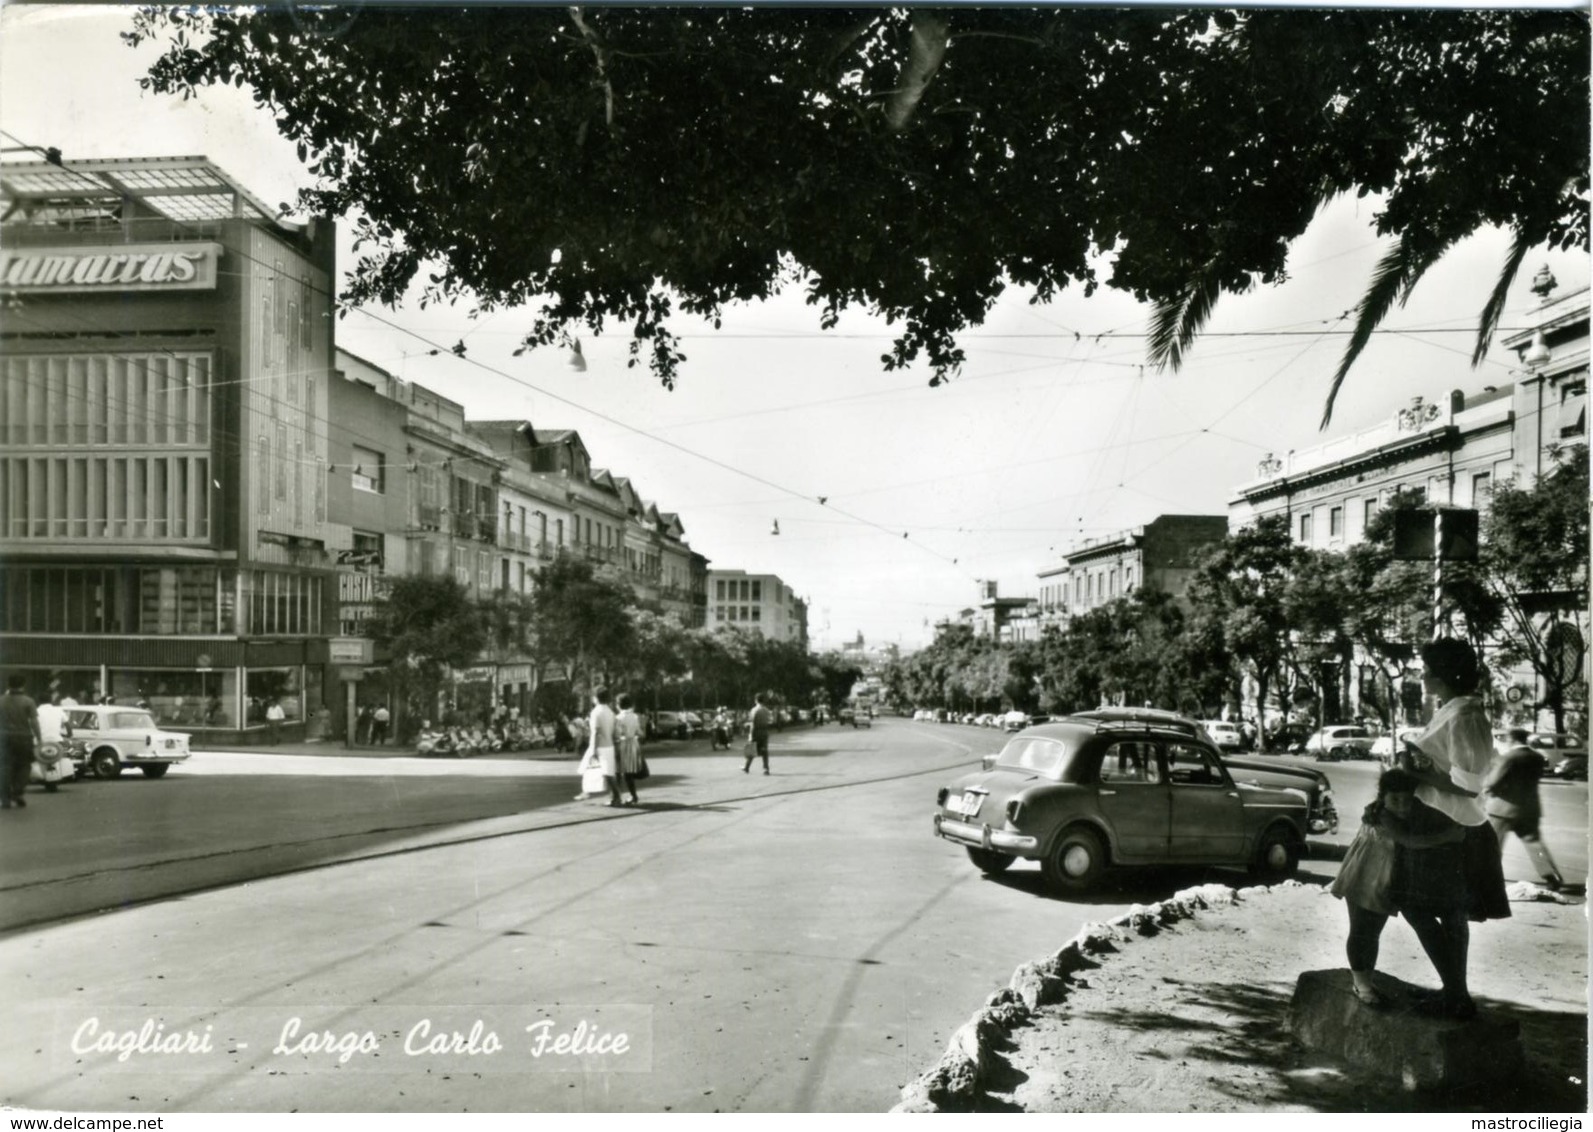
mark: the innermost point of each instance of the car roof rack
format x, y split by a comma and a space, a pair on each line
1106, 718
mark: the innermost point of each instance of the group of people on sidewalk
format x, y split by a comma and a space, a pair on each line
613, 752
1430, 844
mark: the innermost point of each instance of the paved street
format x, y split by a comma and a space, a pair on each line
791, 943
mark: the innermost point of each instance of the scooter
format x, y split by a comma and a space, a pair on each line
434, 743
55, 763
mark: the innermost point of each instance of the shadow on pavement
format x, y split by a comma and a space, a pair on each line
1246, 1025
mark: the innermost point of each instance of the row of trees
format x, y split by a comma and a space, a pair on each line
582, 628
1286, 623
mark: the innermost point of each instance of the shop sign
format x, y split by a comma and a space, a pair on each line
514, 674
127, 267
350, 650
473, 676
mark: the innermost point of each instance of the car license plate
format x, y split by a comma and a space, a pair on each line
968, 805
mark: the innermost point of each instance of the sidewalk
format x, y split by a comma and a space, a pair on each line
330, 747
1194, 1018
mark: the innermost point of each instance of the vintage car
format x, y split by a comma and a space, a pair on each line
1311, 784
115, 737
1226, 736
1119, 787
1339, 742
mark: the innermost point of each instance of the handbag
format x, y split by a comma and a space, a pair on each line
641, 769
750, 751
1368, 871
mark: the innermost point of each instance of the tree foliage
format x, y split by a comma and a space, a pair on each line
582, 621
426, 627
610, 162
1535, 563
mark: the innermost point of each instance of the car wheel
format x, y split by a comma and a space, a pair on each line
107, 763
1076, 861
155, 770
1278, 854
988, 861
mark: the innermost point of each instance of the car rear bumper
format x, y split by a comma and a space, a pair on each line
140, 757
983, 837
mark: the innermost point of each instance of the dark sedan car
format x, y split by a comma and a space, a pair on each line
1119, 788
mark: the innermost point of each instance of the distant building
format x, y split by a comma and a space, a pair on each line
1160, 555
995, 616
760, 603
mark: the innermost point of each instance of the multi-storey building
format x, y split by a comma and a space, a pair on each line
1160, 555
759, 603
163, 491
1449, 452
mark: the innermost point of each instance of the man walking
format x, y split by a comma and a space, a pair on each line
758, 734
379, 723
1510, 800
19, 731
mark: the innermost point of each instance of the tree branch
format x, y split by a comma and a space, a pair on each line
926, 51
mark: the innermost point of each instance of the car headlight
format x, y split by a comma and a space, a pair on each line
1014, 811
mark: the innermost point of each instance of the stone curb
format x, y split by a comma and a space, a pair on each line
956, 1082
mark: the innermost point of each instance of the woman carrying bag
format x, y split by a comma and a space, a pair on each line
628, 748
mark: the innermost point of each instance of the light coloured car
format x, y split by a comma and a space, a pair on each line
1342, 741
1014, 720
1225, 735
114, 737
1391, 743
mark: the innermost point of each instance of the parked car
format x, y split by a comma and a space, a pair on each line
1386, 746
1342, 741
1573, 766
115, 737
1014, 720
1288, 738
862, 719
1118, 787
675, 724
1226, 736
1322, 816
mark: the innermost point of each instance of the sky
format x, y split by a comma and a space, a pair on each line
1054, 433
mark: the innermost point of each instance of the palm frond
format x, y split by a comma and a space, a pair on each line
1176, 322
1393, 280
1489, 321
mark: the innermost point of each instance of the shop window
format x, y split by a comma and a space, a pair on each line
265, 686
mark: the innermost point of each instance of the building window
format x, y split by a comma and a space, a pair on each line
1305, 528
280, 464
1336, 522
298, 482
1369, 510
1573, 409
370, 471
757, 591
262, 474
304, 314
719, 590
1481, 489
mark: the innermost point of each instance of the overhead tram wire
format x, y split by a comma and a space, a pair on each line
790, 492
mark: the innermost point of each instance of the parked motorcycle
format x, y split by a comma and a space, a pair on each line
54, 763
439, 743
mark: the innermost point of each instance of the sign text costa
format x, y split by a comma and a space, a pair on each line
126, 267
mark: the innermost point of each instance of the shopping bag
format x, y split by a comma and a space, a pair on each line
1367, 872
750, 751
592, 781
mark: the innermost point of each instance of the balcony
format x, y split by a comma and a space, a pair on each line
511, 541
